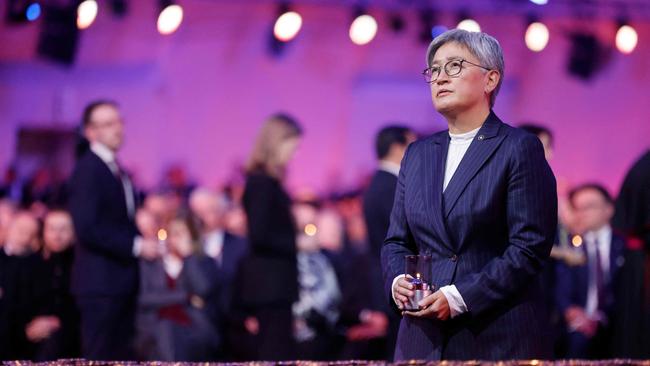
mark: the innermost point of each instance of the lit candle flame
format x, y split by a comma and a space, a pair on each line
311, 229
417, 275
162, 234
576, 241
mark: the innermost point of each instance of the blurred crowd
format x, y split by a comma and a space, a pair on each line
192, 303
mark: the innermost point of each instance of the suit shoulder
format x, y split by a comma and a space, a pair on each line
519, 135
418, 145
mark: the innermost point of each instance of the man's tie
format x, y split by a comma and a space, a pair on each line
127, 187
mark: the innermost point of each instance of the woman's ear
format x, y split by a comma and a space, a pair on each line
493, 78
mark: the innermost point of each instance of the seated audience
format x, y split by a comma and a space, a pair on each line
54, 331
584, 292
172, 323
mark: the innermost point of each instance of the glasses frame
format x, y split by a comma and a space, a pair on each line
429, 70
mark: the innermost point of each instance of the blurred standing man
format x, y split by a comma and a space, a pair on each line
390, 144
105, 271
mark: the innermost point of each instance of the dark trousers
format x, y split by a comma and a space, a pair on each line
107, 327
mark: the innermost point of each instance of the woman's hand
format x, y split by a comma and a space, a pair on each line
402, 292
433, 306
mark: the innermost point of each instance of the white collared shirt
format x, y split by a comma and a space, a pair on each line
172, 265
603, 237
213, 245
389, 167
108, 157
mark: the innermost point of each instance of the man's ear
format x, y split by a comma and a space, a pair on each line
88, 133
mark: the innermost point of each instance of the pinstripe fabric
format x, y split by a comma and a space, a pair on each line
489, 234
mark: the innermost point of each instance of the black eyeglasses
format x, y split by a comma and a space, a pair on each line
452, 68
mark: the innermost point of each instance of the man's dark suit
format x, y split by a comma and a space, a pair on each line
105, 272
219, 304
489, 234
377, 205
17, 308
572, 289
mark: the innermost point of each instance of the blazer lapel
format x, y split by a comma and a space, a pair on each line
481, 148
436, 157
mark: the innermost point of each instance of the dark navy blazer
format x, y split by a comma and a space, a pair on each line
104, 261
489, 234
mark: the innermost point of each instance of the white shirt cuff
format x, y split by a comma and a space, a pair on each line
392, 286
137, 246
457, 305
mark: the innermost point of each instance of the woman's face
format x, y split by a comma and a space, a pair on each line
453, 94
286, 150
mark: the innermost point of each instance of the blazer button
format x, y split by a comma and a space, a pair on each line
454, 258
481, 137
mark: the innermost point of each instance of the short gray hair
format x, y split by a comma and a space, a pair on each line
483, 46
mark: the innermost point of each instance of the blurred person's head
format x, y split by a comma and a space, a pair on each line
304, 213
330, 230
235, 221
147, 223
544, 135
275, 145
58, 231
181, 235
102, 123
7, 212
391, 143
592, 205
160, 206
209, 207
22, 236
176, 176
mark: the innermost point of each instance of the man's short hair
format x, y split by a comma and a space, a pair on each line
90, 108
389, 135
595, 186
537, 130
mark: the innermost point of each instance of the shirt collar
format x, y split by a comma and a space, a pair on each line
104, 153
213, 243
390, 167
467, 136
603, 235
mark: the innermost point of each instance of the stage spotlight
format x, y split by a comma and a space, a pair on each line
86, 14
438, 30
57, 40
426, 17
170, 17
396, 22
21, 11
119, 7
587, 55
626, 39
363, 29
539, 2
287, 26
469, 25
537, 36
33, 11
